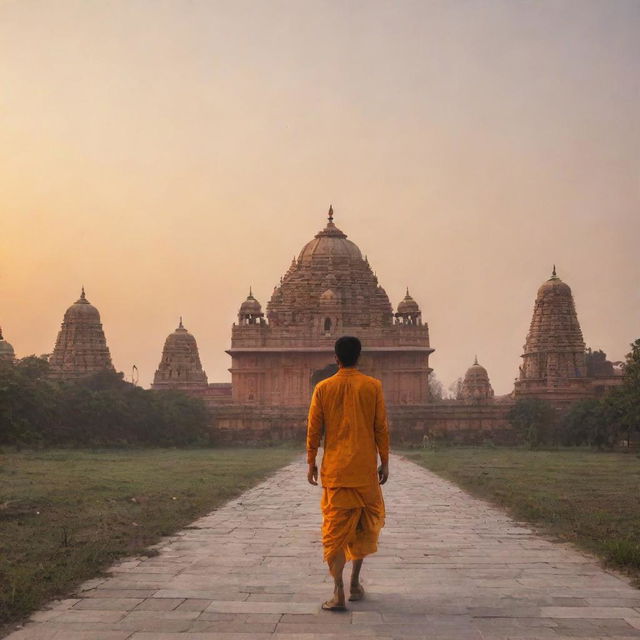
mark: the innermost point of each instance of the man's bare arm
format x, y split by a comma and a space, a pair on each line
381, 430
315, 423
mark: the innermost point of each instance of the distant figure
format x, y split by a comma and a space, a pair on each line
349, 408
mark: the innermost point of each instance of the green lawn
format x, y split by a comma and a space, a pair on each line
590, 498
66, 515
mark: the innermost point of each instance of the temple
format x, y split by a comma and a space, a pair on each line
7, 354
476, 387
180, 366
554, 362
328, 291
81, 347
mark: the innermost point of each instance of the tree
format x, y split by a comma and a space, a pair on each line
615, 417
627, 398
97, 410
436, 390
592, 422
534, 420
597, 364
455, 389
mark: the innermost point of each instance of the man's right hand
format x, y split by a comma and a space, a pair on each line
383, 472
312, 474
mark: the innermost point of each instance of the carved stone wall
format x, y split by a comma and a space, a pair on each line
417, 425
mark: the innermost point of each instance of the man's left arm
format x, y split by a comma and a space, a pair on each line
381, 431
315, 422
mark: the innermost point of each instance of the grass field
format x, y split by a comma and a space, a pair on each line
590, 498
66, 515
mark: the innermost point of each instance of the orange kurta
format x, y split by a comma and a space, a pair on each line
348, 408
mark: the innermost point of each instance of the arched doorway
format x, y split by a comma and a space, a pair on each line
321, 374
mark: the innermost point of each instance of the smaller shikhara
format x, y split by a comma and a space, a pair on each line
81, 348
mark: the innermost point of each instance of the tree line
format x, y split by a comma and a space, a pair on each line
98, 410
604, 422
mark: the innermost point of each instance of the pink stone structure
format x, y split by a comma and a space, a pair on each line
328, 291
553, 363
476, 387
81, 348
7, 354
180, 366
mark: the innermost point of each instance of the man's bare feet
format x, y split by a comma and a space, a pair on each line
337, 602
357, 592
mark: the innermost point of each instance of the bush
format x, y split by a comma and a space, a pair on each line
99, 410
534, 421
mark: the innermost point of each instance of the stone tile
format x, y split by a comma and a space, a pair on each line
232, 627
92, 635
160, 604
73, 615
587, 612
119, 593
262, 607
193, 604
107, 604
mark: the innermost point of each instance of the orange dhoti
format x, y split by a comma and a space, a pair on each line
352, 520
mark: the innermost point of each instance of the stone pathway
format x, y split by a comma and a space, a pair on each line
450, 567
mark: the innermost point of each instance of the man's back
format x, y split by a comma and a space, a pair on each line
350, 407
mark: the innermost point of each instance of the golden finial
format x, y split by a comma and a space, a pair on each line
180, 326
330, 213
476, 360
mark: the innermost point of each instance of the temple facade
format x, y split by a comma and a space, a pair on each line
81, 347
7, 354
476, 387
554, 361
180, 366
328, 291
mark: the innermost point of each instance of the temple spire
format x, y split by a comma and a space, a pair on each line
553, 273
1, 338
180, 326
330, 213
250, 291
82, 295
476, 360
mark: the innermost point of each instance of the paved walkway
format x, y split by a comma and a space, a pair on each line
450, 568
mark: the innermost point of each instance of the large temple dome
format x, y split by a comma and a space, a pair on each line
330, 262
554, 286
82, 310
328, 244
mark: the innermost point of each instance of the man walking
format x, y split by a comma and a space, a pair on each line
349, 408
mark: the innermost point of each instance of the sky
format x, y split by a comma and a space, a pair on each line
168, 154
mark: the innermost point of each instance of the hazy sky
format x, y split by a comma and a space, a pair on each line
168, 154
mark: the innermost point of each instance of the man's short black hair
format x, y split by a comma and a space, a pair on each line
348, 350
